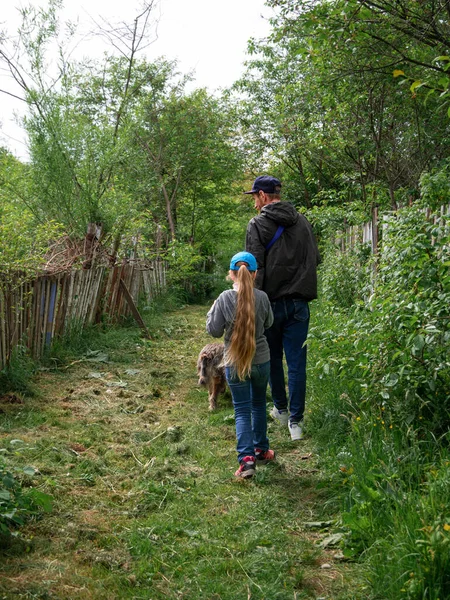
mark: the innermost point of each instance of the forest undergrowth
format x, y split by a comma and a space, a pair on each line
140, 473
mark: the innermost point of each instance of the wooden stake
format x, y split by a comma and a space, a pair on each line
133, 308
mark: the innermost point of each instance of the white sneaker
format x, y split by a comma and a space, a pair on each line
282, 416
296, 431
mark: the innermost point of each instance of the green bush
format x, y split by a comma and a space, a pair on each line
385, 427
200, 287
345, 276
435, 186
394, 349
410, 307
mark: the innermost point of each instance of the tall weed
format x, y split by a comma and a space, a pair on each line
17, 375
345, 276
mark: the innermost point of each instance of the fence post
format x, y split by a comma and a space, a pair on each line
375, 238
51, 314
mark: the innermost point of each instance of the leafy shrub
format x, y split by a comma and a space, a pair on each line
394, 351
435, 186
345, 277
23, 243
333, 215
185, 276
200, 287
388, 362
413, 330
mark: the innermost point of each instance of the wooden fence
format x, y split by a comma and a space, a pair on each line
369, 233
32, 313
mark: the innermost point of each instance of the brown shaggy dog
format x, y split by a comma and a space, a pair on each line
211, 372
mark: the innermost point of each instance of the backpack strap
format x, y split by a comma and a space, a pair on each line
278, 232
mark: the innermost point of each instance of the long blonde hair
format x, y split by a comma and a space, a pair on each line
242, 346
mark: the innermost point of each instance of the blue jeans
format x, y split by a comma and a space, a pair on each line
288, 333
249, 401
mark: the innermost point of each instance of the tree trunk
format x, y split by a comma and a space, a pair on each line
168, 211
89, 244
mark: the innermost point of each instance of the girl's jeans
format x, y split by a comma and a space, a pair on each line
249, 401
288, 333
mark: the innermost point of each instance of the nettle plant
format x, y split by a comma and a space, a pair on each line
18, 501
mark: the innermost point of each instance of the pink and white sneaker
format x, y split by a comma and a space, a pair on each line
264, 456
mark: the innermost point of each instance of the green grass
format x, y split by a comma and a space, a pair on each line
145, 502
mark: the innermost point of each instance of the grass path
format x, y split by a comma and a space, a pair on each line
145, 502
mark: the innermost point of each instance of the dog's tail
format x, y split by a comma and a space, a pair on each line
202, 360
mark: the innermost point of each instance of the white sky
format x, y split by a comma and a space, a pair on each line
205, 36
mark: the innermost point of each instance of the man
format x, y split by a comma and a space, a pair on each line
283, 243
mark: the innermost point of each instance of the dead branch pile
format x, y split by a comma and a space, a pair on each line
67, 253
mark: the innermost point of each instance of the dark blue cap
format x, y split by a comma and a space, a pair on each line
246, 258
265, 183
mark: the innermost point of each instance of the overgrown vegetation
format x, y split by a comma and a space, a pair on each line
381, 380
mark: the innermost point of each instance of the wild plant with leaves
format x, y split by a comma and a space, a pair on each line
18, 502
382, 388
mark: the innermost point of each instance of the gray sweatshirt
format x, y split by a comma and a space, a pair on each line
220, 320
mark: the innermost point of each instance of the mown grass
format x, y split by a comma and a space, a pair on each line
145, 502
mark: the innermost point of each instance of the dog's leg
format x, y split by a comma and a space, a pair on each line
212, 402
214, 391
212, 395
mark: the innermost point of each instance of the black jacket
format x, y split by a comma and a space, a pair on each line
289, 267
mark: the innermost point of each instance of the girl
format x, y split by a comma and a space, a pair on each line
243, 314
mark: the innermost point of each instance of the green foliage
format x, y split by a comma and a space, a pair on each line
381, 376
331, 215
77, 148
435, 186
188, 163
17, 504
412, 303
166, 171
401, 338
17, 375
23, 242
14, 178
345, 277
183, 260
333, 117
193, 277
